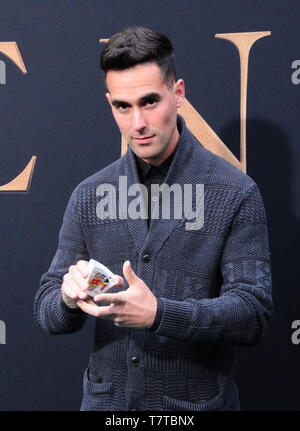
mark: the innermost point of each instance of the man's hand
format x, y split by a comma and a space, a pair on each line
75, 283
133, 308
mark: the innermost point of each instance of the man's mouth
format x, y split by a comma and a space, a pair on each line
143, 139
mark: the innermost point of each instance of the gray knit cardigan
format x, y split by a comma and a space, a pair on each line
213, 285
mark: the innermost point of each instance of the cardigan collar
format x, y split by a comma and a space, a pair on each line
144, 167
190, 165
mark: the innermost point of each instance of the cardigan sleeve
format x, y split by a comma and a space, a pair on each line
50, 312
242, 311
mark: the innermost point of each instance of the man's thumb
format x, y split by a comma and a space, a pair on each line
129, 273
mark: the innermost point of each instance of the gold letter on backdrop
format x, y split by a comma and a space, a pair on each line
22, 181
199, 127
243, 42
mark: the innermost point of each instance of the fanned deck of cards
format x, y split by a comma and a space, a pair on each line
100, 278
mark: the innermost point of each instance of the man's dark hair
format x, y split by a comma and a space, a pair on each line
137, 45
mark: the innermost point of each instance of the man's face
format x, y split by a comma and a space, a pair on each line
145, 109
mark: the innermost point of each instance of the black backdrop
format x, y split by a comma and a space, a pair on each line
58, 112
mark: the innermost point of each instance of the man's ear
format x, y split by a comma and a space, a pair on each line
108, 98
179, 92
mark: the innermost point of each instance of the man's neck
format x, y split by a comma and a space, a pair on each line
169, 150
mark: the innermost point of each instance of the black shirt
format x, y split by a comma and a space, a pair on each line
150, 174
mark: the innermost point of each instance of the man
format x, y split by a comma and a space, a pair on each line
165, 334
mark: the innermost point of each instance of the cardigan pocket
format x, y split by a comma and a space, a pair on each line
110, 243
193, 251
214, 404
180, 284
96, 396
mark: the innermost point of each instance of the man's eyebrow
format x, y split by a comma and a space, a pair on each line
117, 102
151, 96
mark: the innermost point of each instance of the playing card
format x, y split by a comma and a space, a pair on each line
100, 278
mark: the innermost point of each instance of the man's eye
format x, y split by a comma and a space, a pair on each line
151, 101
122, 108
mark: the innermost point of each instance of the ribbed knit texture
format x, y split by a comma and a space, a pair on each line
214, 286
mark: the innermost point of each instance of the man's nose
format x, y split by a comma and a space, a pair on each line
139, 121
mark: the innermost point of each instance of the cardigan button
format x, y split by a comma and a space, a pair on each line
146, 257
135, 360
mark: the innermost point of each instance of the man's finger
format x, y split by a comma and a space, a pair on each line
83, 268
93, 309
119, 281
129, 273
118, 323
77, 277
113, 298
72, 290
